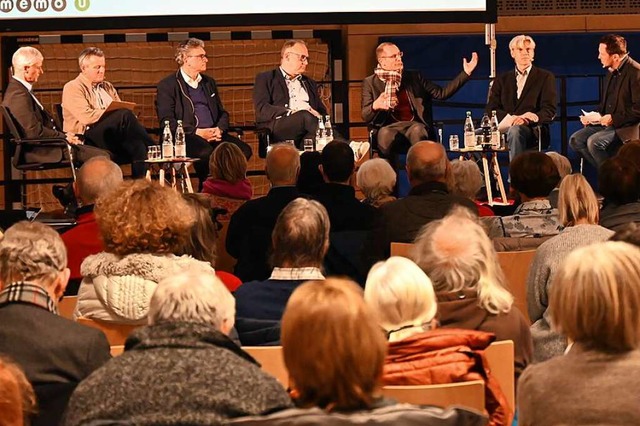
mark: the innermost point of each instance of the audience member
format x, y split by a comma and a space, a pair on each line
142, 224
579, 211
17, 400
402, 297
630, 233
191, 96
467, 182
85, 101
250, 227
54, 352
310, 179
340, 385
462, 264
564, 168
429, 173
181, 368
300, 242
619, 184
95, 178
377, 180
594, 302
630, 151
533, 176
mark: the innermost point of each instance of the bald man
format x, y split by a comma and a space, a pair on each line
429, 199
250, 228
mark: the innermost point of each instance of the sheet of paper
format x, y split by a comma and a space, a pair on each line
506, 122
119, 105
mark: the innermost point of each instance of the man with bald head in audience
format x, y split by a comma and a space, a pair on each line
428, 169
250, 227
95, 178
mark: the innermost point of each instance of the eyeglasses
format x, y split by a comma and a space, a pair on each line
303, 58
202, 57
396, 56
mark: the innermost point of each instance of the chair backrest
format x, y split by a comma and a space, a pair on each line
466, 394
224, 261
271, 361
11, 124
116, 333
401, 249
500, 356
117, 350
516, 265
67, 305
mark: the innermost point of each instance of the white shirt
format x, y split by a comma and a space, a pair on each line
307, 273
521, 79
190, 81
298, 96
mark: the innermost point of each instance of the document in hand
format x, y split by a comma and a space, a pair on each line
592, 117
120, 105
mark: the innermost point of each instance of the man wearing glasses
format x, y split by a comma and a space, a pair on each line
285, 100
398, 102
191, 96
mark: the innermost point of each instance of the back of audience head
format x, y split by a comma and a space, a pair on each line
402, 297
456, 253
17, 399
466, 178
282, 164
427, 162
310, 179
333, 348
595, 302
629, 233
376, 178
619, 181
33, 252
631, 152
228, 163
562, 164
337, 162
201, 243
193, 298
534, 174
301, 235
577, 203
96, 177
143, 217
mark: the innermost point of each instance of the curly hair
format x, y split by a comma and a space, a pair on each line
143, 217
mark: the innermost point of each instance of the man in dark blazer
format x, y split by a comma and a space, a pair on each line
32, 118
398, 102
619, 106
524, 99
191, 96
287, 101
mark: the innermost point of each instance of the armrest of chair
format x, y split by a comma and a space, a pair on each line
42, 142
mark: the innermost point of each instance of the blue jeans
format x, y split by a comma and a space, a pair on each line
519, 139
595, 143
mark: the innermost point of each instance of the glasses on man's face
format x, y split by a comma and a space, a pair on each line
396, 56
303, 58
202, 57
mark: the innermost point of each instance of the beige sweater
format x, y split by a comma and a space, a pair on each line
79, 104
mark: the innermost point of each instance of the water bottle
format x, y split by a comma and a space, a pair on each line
321, 140
485, 126
495, 133
469, 132
181, 144
167, 141
328, 130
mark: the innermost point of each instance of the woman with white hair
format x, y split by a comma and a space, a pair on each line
459, 258
579, 214
467, 182
402, 297
376, 179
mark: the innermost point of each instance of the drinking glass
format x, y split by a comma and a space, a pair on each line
454, 143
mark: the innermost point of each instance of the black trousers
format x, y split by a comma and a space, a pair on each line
200, 148
297, 126
120, 133
82, 153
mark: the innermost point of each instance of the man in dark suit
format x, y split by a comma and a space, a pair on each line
619, 106
286, 101
399, 101
32, 118
55, 353
524, 99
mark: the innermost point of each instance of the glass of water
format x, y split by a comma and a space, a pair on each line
153, 152
454, 143
308, 145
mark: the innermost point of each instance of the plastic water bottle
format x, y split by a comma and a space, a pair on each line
328, 130
485, 125
167, 141
469, 132
181, 144
321, 139
495, 133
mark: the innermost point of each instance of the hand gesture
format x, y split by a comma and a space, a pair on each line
383, 102
471, 65
73, 139
606, 120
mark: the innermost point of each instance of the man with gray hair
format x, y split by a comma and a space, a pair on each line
32, 118
429, 199
181, 368
85, 101
300, 240
95, 178
250, 228
192, 96
54, 352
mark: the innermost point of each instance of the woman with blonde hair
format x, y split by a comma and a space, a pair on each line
376, 179
594, 302
579, 213
17, 399
459, 258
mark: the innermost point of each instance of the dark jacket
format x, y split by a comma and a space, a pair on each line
173, 103
346, 212
176, 373
271, 97
626, 109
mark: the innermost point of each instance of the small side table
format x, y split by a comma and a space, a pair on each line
489, 158
172, 170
